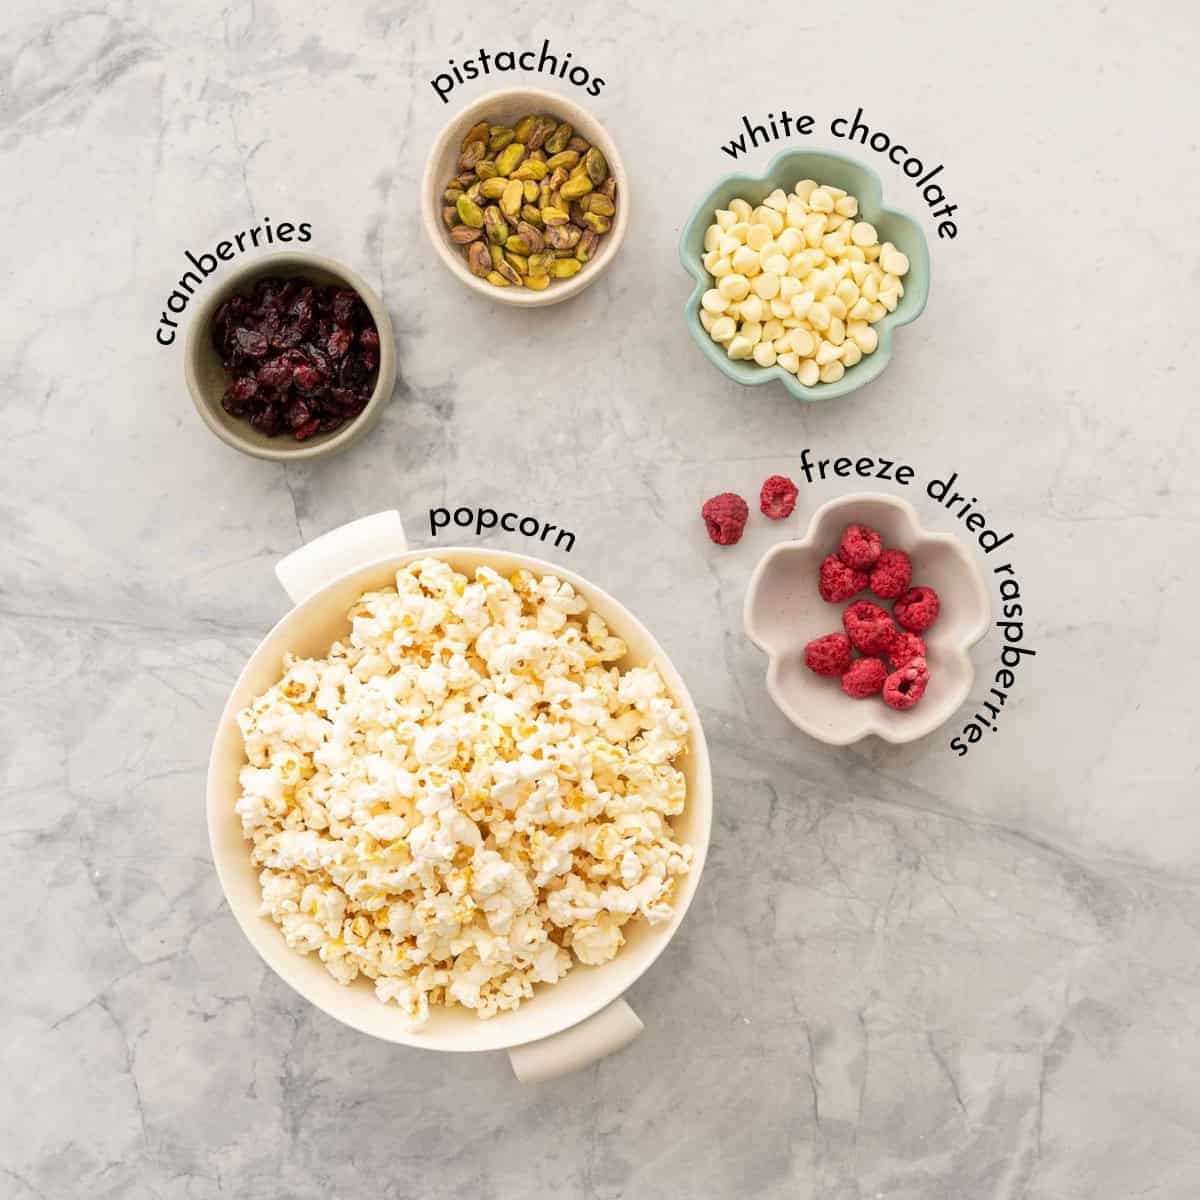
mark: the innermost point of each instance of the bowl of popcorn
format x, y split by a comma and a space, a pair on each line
459, 800
802, 275
868, 622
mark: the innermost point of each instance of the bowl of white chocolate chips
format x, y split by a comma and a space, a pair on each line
802, 275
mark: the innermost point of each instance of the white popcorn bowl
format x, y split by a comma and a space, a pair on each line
565, 1025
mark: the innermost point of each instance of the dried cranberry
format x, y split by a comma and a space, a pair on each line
368, 338
338, 342
266, 420
275, 373
370, 358
239, 393
296, 414
353, 370
308, 429
331, 422
343, 306
309, 379
251, 343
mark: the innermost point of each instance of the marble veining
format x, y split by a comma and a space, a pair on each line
906, 975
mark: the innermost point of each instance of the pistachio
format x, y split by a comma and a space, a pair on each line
532, 214
564, 158
511, 198
540, 264
597, 166
474, 193
557, 141
496, 279
477, 133
532, 191
577, 212
518, 262
558, 177
564, 268
509, 272
597, 203
452, 193
531, 168
464, 234
596, 222
471, 155
450, 216
536, 283
531, 237
575, 187
563, 237
610, 188
465, 179
518, 245
478, 259
587, 245
580, 145
536, 156
497, 255
486, 169
523, 128
555, 216
493, 189
495, 224
500, 136
508, 158
543, 127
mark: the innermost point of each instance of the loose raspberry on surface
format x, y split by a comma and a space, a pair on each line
865, 677
860, 547
905, 687
828, 655
869, 627
891, 576
838, 582
778, 497
725, 516
917, 609
904, 647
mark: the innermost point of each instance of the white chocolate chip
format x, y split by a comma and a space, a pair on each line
734, 287
764, 354
714, 302
767, 285
723, 329
809, 373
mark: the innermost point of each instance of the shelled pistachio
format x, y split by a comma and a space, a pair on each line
530, 201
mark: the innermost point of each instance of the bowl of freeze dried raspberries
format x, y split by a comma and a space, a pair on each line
867, 622
291, 357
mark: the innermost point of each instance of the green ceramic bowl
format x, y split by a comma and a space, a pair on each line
785, 171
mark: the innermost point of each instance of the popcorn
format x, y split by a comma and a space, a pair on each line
466, 795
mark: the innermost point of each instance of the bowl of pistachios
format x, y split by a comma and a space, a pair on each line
525, 197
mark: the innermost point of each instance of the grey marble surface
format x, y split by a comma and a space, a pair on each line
907, 975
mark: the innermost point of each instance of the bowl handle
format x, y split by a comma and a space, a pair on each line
603, 1033
340, 551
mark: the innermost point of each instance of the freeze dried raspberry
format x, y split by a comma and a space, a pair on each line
891, 576
904, 647
828, 655
725, 515
778, 497
903, 688
838, 582
918, 608
864, 677
860, 547
869, 627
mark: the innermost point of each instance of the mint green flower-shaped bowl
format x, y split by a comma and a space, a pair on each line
785, 171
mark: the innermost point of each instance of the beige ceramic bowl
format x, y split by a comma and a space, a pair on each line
207, 378
783, 613
566, 1024
504, 107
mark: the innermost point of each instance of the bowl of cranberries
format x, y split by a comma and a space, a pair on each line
292, 357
